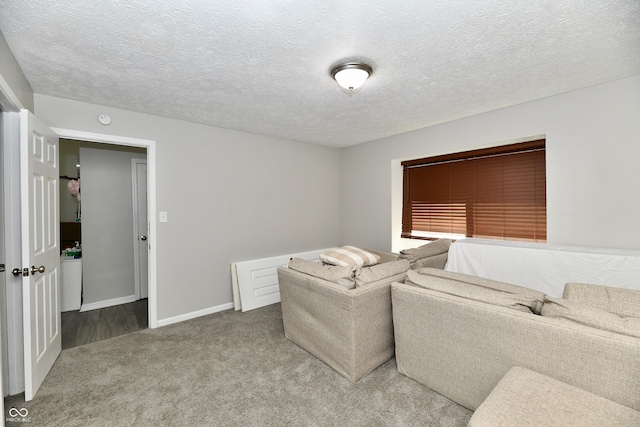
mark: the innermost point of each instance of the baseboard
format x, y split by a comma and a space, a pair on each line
194, 314
107, 303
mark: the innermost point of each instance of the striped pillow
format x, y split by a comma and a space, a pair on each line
349, 256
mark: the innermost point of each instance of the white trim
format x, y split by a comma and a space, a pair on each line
195, 314
14, 103
13, 251
25, 237
150, 145
102, 137
437, 235
107, 303
136, 229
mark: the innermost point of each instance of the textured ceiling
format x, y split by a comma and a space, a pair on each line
263, 66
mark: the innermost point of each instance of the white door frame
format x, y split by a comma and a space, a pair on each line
4, 355
136, 229
150, 145
4, 377
12, 310
10, 106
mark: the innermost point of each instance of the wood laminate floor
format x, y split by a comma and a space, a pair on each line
96, 325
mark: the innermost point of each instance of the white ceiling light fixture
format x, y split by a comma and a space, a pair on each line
351, 75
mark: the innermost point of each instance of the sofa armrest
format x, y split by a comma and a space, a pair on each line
620, 301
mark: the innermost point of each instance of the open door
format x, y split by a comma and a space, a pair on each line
140, 227
39, 193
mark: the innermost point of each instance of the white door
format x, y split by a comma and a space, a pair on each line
3, 342
257, 280
141, 242
39, 191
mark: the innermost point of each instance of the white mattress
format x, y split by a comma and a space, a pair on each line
545, 267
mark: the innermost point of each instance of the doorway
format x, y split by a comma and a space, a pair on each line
104, 195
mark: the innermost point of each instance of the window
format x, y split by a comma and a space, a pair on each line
496, 193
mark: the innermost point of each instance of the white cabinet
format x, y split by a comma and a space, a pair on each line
71, 279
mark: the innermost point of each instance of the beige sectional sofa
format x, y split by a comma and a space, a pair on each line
459, 335
343, 316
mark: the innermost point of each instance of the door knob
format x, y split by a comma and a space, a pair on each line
143, 237
17, 272
35, 269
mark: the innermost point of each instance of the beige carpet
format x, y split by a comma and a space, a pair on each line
226, 369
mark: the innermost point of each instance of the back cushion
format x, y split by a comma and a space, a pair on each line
594, 317
478, 289
374, 273
430, 249
620, 301
341, 275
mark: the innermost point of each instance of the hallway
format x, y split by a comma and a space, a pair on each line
97, 325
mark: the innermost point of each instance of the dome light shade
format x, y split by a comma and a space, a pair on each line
352, 75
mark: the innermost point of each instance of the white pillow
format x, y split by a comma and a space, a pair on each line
347, 256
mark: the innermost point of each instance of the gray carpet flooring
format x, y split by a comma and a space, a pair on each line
226, 369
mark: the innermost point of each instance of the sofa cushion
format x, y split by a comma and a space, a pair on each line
478, 289
436, 247
487, 283
620, 301
349, 256
595, 317
527, 398
341, 275
377, 272
436, 261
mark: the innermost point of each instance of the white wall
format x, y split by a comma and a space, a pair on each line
230, 196
12, 80
107, 224
593, 148
592, 152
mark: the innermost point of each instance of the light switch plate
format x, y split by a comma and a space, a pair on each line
163, 217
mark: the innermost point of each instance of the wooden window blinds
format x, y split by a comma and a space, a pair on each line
497, 193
